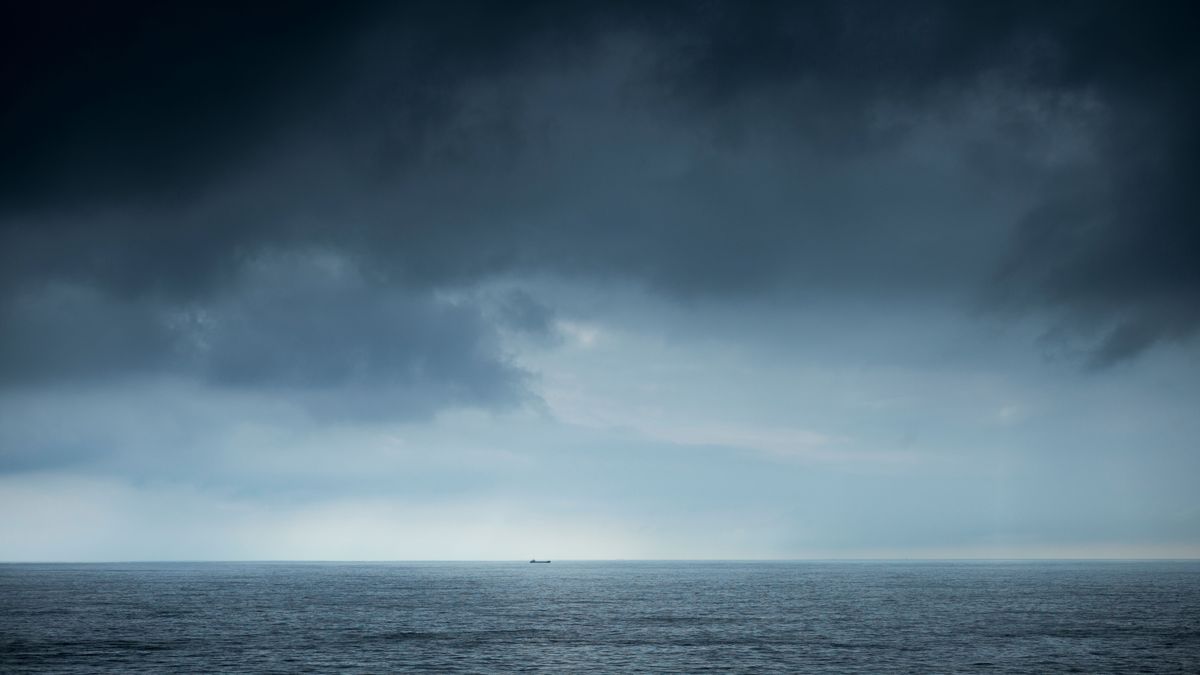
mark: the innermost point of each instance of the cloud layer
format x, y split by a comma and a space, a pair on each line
682, 245
715, 150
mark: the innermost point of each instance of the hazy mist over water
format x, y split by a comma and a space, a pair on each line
574, 616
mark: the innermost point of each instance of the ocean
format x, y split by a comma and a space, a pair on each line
571, 617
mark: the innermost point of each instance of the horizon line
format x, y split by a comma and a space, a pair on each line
522, 560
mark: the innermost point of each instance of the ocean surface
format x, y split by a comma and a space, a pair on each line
925, 617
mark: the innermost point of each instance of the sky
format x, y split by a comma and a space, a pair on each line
477, 280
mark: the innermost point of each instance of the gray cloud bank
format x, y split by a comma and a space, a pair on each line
284, 198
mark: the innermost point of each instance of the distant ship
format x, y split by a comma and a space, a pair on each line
539, 561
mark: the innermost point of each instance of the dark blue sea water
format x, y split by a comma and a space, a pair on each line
1028, 617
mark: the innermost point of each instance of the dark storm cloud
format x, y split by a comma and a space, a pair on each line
71, 332
521, 312
311, 323
1114, 247
305, 324
141, 99
159, 152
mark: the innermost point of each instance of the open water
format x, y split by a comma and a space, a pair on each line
926, 617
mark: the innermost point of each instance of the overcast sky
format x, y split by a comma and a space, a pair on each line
599, 280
